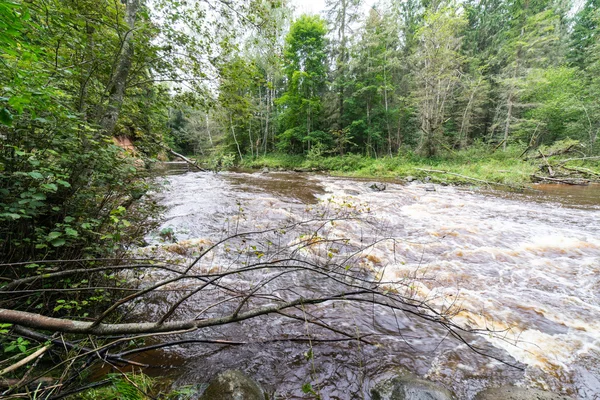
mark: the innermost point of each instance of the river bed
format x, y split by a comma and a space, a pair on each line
525, 267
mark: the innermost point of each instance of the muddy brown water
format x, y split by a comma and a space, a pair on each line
524, 264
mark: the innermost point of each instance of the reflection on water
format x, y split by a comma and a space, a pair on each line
527, 265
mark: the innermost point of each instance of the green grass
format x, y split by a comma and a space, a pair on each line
478, 162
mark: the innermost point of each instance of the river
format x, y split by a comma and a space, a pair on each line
524, 266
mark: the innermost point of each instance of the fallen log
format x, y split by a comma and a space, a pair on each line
489, 183
187, 160
566, 181
579, 159
583, 171
558, 152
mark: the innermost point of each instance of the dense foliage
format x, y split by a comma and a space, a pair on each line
427, 77
85, 89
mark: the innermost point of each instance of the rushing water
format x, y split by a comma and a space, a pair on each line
524, 266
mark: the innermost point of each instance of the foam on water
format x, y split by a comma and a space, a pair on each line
526, 273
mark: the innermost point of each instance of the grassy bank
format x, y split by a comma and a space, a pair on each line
477, 163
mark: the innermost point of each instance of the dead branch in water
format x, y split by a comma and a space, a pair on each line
187, 160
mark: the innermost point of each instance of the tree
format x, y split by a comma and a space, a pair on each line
532, 44
374, 67
584, 34
341, 15
306, 70
437, 72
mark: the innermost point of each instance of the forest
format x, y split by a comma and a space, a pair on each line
405, 77
95, 93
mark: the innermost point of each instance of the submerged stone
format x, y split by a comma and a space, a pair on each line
410, 387
378, 187
233, 385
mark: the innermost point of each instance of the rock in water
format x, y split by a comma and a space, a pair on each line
265, 170
378, 187
429, 187
410, 178
427, 178
233, 385
410, 387
517, 393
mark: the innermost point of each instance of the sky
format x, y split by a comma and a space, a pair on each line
316, 6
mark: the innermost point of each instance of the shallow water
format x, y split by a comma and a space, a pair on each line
525, 266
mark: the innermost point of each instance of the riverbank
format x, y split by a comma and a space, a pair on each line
475, 166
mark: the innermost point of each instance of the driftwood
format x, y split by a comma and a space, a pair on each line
566, 181
584, 171
24, 361
558, 152
187, 160
489, 183
548, 166
558, 172
579, 159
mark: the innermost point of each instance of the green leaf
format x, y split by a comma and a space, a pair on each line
10, 215
71, 232
63, 183
39, 196
58, 242
36, 175
54, 235
50, 186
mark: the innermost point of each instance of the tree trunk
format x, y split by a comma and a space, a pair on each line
235, 138
118, 83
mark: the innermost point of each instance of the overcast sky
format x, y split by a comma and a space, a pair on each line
316, 6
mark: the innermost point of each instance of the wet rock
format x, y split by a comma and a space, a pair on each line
410, 178
430, 187
410, 387
378, 187
427, 178
265, 170
233, 385
517, 393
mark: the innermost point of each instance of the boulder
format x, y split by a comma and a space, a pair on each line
427, 178
410, 178
430, 187
233, 385
517, 393
265, 170
410, 387
378, 187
